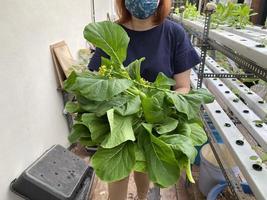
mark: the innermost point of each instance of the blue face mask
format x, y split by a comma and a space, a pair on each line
142, 9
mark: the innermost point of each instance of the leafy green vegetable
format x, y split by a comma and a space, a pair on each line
78, 130
116, 163
136, 125
110, 38
233, 14
161, 163
168, 125
97, 126
190, 11
95, 88
120, 130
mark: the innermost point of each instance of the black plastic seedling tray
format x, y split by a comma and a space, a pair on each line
57, 175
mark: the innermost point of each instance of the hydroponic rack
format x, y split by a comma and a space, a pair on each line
241, 47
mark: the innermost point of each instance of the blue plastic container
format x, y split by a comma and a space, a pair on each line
210, 173
216, 190
216, 135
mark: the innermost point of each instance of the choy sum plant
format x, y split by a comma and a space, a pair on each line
137, 125
190, 11
233, 14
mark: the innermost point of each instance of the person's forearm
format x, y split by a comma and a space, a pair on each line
183, 90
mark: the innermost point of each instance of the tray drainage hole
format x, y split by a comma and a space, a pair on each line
56, 173
41, 175
245, 111
241, 85
54, 162
260, 45
239, 142
205, 70
227, 92
58, 185
215, 79
258, 125
64, 151
236, 100
227, 125
261, 102
217, 111
233, 79
222, 70
218, 66
220, 84
257, 167
68, 177
250, 93
243, 40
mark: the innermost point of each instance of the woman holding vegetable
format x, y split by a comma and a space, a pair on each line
166, 49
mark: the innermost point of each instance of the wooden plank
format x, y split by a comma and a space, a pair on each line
62, 60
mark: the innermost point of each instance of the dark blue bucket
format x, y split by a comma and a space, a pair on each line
216, 190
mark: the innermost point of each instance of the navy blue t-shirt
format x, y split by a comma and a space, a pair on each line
166, 49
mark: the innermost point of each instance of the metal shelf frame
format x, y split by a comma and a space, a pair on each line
253, 101
238, 146
251, 59
230, 44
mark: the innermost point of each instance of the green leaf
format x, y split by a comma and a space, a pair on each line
98, 127
182, 105
110, 37
140, 164
184, 129
78, 130
162, 166
162, 81
115, 102
105, 61
253, 157
114, 164
120, 130
167, 126
264, 157
181, 143
88, 105
87, 141
148, 127
198, 135
201, 96
189, 104
153, 110
139, 153
72, 107
134, 69
94, 88
131, 107
100, 107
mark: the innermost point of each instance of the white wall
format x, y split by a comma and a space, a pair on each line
31, 117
